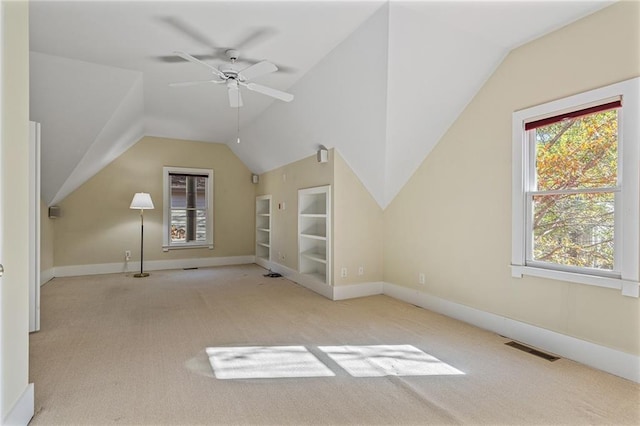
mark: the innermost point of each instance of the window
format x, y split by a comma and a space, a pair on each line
188, 208
575, 189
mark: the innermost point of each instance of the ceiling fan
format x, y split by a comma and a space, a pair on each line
234, 79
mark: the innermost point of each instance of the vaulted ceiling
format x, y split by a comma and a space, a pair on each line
379, 81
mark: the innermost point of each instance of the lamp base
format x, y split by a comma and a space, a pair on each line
141, 275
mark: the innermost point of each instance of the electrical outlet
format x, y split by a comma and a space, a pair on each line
343, 272
421, 279
361, 270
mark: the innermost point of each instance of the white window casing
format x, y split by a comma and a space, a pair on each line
166, 214
626, 277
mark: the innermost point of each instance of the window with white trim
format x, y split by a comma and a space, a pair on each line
188, 208
575, 189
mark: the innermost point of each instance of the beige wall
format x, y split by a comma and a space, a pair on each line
452, 221
14, 181
97, 225
356, 220
357, 228
283, 184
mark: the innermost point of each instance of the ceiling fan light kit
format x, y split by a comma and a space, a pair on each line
234, 78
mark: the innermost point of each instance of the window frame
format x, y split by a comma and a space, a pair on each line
166, 216
626, 277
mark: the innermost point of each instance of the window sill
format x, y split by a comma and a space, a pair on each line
628, 288
188, 246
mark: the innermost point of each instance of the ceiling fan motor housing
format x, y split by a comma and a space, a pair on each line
233, 55
230, 73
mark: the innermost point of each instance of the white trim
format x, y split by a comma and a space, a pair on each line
630, 288
34, 226
627, 203
166, 208
597, 356
266, 264
267, 197
351, 291
151, 265
23, 409
342, 292
46, 276
303, 279
517, 271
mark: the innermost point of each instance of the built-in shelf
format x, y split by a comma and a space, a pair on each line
263, 230
315, 237
314, 231
315, 256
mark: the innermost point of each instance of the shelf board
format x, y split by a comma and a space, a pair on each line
313, 215
263, 214
315, 256
264, 245
314, 237
264, 229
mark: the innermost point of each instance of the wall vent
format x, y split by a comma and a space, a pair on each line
532, 351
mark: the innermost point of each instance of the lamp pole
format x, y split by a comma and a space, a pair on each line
141, 274
141, 201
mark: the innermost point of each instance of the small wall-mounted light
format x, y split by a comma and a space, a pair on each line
54, 212
322, 155
255, 178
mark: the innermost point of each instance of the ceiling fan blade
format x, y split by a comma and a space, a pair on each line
187, 57
256, 70
274, 93
254, 36
173, 59
190, 31
235, 99
281, 68
194, 83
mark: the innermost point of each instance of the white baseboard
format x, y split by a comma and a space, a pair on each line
22, 411
304, 280
266, 264
151, 265
351, 291
46, 276
610, 360
597, 356
330, 292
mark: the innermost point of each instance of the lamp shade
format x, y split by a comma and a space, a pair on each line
141, 201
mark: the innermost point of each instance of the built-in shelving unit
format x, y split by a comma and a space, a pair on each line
263, 230
314, 232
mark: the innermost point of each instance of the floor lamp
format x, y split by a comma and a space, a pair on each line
141, 201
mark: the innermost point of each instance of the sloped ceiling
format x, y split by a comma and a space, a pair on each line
381, 82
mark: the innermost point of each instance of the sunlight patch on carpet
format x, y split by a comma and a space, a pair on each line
387, 360
261, 362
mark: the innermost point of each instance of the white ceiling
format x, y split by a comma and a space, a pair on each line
98, 83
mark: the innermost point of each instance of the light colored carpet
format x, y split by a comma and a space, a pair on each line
119, 350
387, 360
262, 362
